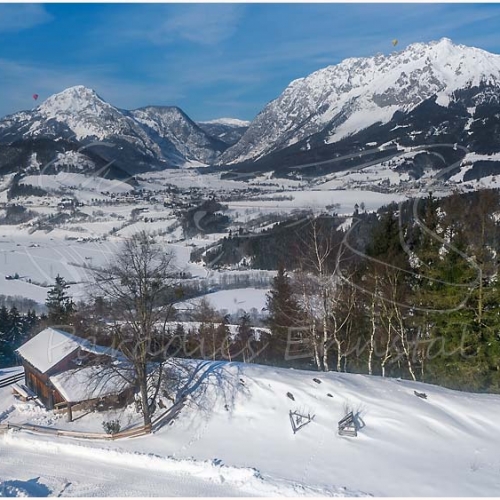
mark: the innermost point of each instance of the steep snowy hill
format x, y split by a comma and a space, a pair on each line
339, 101
236, 434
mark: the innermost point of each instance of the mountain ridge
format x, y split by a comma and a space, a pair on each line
148, 138
427, 92
346, 98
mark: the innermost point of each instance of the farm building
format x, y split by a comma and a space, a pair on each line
63, 371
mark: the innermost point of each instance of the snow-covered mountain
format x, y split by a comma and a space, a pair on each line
229, 122
144, 139
80, 115
228, 130
170, 126
342, 100
429, 93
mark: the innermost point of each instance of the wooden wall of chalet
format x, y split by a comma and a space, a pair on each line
40, 384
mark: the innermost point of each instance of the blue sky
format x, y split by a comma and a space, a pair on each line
211, 60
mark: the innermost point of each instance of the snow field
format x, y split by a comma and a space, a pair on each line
243, 480
232, 300
445, 445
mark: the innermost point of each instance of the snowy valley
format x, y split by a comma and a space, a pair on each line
362, 187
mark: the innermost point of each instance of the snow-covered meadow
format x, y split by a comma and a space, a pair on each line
107, 215
235, 438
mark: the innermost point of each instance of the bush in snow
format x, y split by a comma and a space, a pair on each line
111, 427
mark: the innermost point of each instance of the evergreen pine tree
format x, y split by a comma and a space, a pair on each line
59, 304
284, 314
5, 346
385, 241
4, 319
453, 356
14, 328
15, 324
244, 336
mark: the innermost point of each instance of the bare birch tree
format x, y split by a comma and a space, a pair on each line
329, 301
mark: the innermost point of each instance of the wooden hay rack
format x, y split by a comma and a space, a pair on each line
348, 426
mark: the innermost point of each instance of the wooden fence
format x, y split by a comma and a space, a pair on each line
166, 417
348, 426
136, 431
11, 380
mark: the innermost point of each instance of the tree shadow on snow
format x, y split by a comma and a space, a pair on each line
206, 384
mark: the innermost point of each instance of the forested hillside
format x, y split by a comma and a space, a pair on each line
412, 291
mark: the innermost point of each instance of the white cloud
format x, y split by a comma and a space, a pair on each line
17, 17
206, 24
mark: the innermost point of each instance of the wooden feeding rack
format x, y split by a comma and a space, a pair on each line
348, 426
299, 420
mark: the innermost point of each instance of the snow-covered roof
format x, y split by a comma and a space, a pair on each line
48, 348
92, 382
51, 346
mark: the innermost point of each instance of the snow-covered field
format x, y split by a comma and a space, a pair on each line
316, 201
236, 439
38, 258
35, 468
94, 232
233, 300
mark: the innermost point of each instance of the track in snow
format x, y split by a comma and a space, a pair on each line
36, 473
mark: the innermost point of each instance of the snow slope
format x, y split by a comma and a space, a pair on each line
239, 429
49, 469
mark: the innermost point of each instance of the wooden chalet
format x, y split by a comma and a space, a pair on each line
63, 370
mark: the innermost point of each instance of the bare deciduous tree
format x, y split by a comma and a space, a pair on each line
140, 286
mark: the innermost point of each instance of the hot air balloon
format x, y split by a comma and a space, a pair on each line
394, 42
35, 96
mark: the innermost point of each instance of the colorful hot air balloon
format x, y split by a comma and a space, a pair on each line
394, 42
35, 96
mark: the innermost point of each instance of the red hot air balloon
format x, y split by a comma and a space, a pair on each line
35, 96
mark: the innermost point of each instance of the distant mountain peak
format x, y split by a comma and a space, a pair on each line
73, 100
230, 122
228, 130
147, 138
